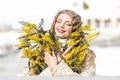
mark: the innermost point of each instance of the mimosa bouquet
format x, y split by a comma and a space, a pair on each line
34, 40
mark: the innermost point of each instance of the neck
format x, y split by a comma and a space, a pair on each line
62, 41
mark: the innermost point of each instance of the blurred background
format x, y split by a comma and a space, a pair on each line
101, 14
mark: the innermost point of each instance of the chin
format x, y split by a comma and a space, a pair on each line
62, 37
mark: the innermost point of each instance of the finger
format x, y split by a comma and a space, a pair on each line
61, 57
53, 54
67, 51
45, 61
46, 58
61, 50
46, 54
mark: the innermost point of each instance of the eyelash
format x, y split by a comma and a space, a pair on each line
57, 21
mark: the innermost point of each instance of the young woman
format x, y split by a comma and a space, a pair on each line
65, 22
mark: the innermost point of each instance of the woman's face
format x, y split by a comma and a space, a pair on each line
63, 26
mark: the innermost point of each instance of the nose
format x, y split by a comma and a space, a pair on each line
62, 25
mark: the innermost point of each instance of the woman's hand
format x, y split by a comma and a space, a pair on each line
64, 53
51, 60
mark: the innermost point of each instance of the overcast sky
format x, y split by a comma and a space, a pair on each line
13, 11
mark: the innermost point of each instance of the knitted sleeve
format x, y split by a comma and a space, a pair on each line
62, 69
89, 64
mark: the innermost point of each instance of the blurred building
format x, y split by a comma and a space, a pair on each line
104, 17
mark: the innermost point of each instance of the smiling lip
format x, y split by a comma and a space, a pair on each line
60, 31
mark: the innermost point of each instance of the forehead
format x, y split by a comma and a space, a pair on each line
64, 16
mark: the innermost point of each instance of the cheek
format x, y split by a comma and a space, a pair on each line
55, 26
69, 30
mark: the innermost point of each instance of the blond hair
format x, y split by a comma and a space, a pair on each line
76, 18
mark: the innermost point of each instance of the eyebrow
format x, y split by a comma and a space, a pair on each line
61, 19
